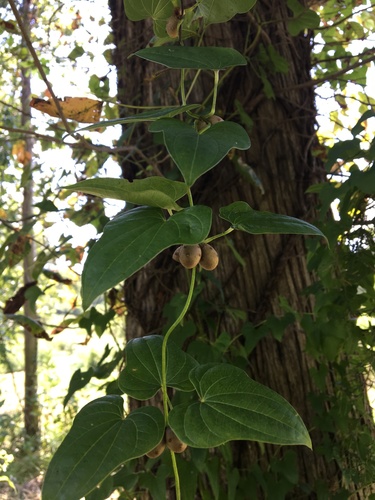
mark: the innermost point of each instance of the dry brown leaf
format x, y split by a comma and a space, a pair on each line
20, 153
80, 109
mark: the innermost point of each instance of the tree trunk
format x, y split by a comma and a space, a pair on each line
282, 136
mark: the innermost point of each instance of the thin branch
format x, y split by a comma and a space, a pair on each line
342, 58
332, 76
340, 21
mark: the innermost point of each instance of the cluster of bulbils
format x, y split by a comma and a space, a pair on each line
171, 441
191, 255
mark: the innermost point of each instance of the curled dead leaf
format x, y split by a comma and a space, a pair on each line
80, 109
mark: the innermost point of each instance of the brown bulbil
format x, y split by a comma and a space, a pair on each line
157, 451
210, 258
176, 254
173, 443
215, 119
203, 124
189, 255
173, 23
172, 26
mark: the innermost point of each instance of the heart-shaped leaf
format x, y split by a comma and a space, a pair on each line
232, 406
244, 218
132, 239
145, 116
195, 153
152, 191
141, 378
180, 57
220, 11
157, 9
99, 441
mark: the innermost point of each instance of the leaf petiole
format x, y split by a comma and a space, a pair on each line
220, 235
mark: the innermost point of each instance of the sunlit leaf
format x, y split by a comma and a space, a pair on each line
179, 57
141, 378
135, 237
195, 153
231, 406
100, 440
243, 217
152, 191
81, 109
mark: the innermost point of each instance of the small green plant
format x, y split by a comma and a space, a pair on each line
221, 402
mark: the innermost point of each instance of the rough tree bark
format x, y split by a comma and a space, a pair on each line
282, 137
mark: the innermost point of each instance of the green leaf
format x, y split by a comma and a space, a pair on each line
243, 217
135, 237
180, 57
46, 206
358, 128
195, 153
232, 406
31, 325
145, 116
99, 441
156, 9
220, 11
344, 150
78, 381
141, 378
304, 18
152, 191
76, 53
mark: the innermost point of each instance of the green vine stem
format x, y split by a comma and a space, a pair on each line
214, 95
176, 476
182, 85
190, 197
164, 373
165, 340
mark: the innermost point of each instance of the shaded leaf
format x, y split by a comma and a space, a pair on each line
195, 153
146, 116
243, 217
232, 406
156, 9
358, 128
135, 237
179, 57
304, 18
344, 150
141, 378
46, 206
152, 191
99, 441
78, 381
220, 11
